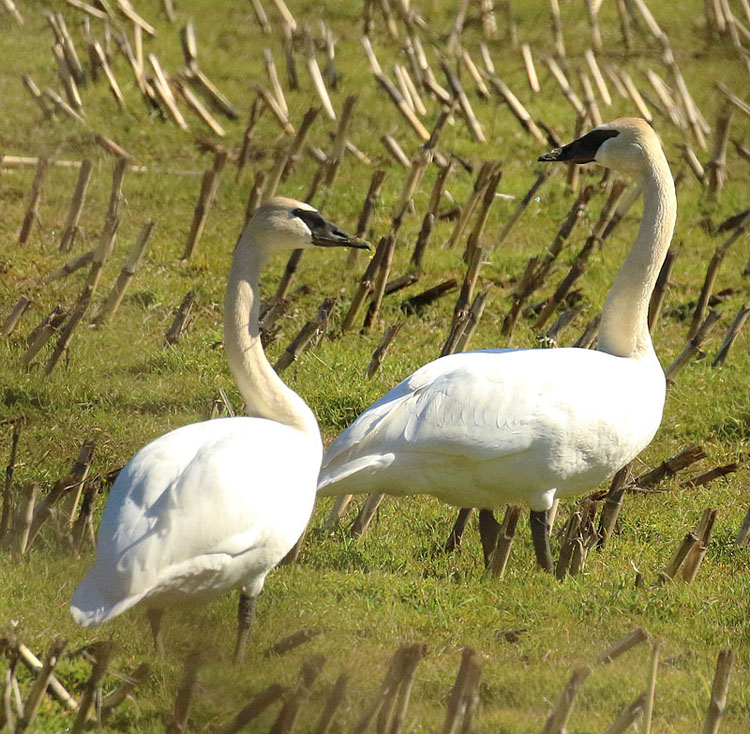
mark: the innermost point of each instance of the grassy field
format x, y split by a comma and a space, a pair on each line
122, 386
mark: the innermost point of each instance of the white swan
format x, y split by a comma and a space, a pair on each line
217, 504
484, 428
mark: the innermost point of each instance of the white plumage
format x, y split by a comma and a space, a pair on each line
218, 504
484, 428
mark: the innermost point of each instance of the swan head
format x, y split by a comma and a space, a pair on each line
626, 144
288, 224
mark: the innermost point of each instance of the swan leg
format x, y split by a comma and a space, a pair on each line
245, 616
154, 617
359, 527
338, 509
489, 529
457, 532
540, 536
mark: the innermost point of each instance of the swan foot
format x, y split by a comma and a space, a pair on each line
154, 617
245, 616
540, 536
489, 531
457, 532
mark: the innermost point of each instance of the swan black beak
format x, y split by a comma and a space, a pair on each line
581, 150
327, 234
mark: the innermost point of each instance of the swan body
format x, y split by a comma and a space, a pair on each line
198, 512
484, 428
217, 504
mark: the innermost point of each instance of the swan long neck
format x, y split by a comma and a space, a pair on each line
624, 326
265, 394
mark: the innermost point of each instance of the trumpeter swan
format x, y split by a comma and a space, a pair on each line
483, 428
215, 505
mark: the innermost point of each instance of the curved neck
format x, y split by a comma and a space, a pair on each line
265, 394
624, 326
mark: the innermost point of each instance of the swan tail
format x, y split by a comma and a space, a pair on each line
357, 476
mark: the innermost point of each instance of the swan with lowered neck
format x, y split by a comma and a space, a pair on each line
215, 505
480, 429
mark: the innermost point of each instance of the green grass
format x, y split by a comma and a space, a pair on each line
122, 386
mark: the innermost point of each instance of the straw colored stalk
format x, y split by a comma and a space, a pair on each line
17, 312
107, 69
32, 209
564, 84
515, 106
36, 95
528, 62
731, 335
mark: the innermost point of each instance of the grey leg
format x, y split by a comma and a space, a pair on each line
245, 616
540, 536
489, 529
154, 617
457, 533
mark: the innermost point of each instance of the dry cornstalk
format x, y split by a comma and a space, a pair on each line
523, 205
36, 95
39, 687
719, 690
285, 282
660, 289
300, 139
339, 141
528, 62
61, 104
717, 166
738, 103
471, 67
198, 107
102, 652
633, 638
381, 278
558, 717
686, 545
199, 80
664, 93
56, 689
333, 702
557, 32
486, 170
731, 335
565, 87
462, 692
292, 642
66, 77
564, 320
258, 704
382, 349
629, 716
180, 319
589, 102
308, 675
32, 209
42, 333
102, 252
273, 105
71, 229
17, 312
286, 16
596, 73
695, 558
261, 17
101, 59
498, 560
588, 336
622, 209
10, 6
463, 102
415, 304
650, 21
209, 188
26, 516
185, 692
712, 272
488, 198
671, 466
189, 45
317, 79
711, 474
471, 321
255, 198
7, 509
693, 346
113, 300
126, 9
744, 532
635, 95
398, 99
313, 329
395, 150
515, 106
